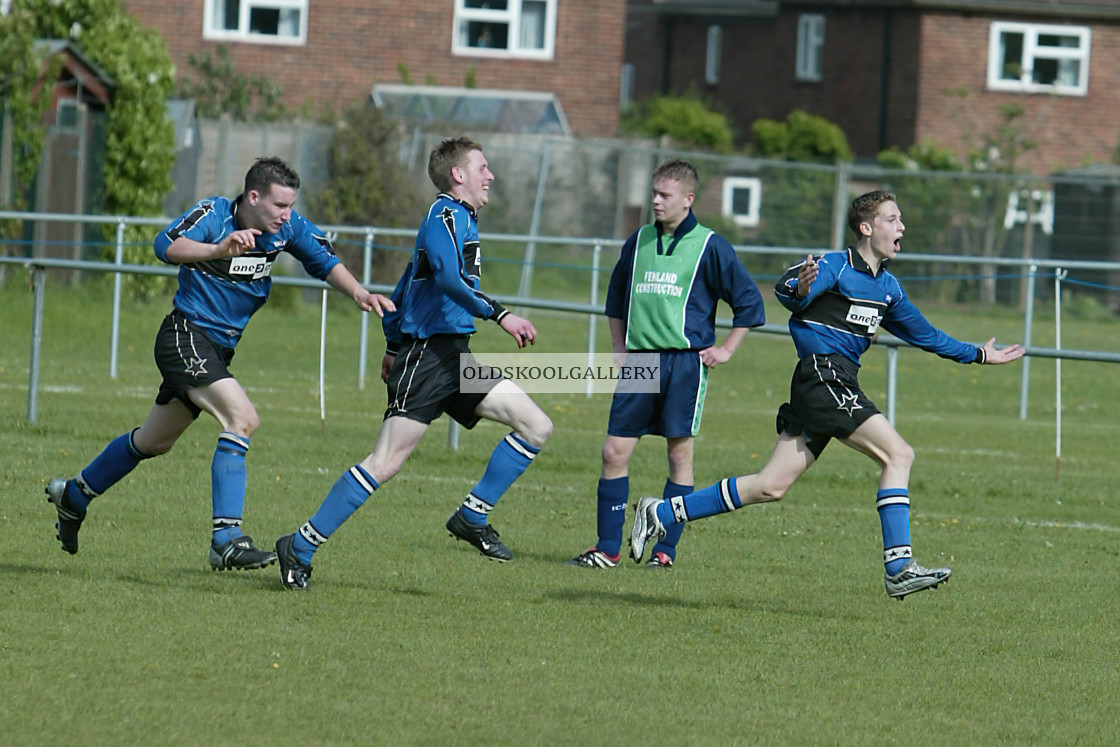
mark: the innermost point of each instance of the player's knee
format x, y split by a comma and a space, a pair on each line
614, 455
538, 429
901, 456
150, 447
246, 423
771, 490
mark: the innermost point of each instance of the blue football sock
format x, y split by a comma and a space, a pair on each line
114, 462
893, 505
709, 501
668, 543
228, 479
612, 496
346, 496
511, 457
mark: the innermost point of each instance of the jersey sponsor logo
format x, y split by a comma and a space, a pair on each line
660, 284
253, 267
864, 316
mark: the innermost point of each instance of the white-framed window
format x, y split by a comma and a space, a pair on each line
810, 39
505, 28
742, 200
1032, 57
626, 86
714, 55
260, 21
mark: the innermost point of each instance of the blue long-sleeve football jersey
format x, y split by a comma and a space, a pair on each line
220, 295
846, 305
719, 275
439, 290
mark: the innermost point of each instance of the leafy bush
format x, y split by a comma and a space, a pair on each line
685, 119
802, 137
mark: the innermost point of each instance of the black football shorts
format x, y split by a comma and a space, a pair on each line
424, 381
187, 358
825, 401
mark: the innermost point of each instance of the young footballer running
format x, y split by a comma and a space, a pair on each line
225, 250
439, 298
837, 303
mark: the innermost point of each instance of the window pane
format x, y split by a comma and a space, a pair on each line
289, 22
264, 21
1054, 40
227, 14
487, 4
532, 24
1011, 56
741, 201
486, 35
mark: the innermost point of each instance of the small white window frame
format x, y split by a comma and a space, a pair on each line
210, 30
810, 41
1032, 51
510, 16
751, 218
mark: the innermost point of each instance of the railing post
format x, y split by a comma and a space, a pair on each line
38, 281
892, 381
363, 322
1028, 327
596, 255
118, 278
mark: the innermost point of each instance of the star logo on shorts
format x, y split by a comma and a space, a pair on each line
848, 402
196, 367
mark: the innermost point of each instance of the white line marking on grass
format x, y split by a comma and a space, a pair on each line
1068, 525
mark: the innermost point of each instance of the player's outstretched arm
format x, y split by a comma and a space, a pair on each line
1006, 354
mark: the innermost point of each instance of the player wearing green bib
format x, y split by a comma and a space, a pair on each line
662, 298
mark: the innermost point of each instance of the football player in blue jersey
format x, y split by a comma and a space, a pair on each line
225, 250
438, 298
837, 303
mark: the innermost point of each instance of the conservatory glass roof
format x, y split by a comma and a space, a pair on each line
504, 111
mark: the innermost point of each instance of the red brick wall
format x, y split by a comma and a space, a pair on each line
1069, 130
926, 56
353, 44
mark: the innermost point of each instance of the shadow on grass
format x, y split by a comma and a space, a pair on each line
628, 597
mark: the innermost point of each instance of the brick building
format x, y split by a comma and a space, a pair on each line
332, 53
896, 72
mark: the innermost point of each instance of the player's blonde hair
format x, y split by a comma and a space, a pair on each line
680, 171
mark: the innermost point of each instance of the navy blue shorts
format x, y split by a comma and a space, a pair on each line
825, 401
187, 358
675, 411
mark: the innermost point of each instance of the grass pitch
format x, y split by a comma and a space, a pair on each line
773, 628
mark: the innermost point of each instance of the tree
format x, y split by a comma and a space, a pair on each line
367, 186
140, 139
806, 193
23, 105
220, 90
